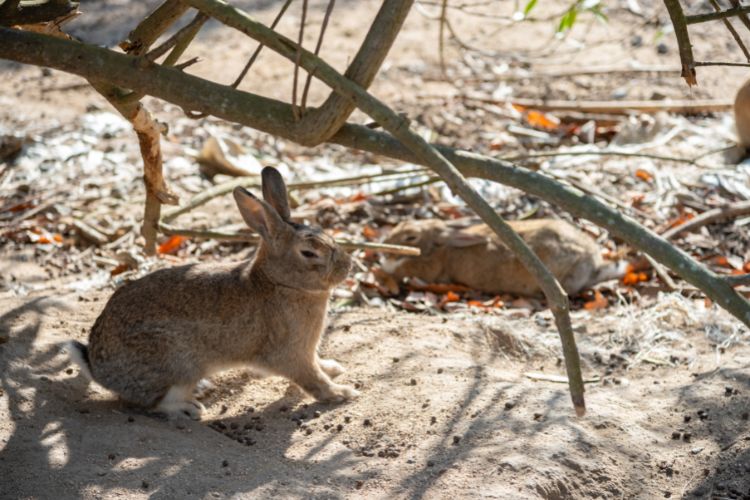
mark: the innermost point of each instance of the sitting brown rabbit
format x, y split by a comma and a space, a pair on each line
157, 337
476, 257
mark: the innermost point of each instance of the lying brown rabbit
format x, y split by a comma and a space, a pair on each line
157, 337
476, 257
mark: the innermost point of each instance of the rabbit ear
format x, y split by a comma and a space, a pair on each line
459, 238
258, 215
274, 191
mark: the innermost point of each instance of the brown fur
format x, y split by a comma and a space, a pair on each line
159, 336
742, 115
475, 256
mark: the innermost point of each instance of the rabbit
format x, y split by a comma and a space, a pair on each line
742, 115
475, 256
159, 336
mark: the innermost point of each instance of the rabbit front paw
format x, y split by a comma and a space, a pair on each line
331, 367
336, 393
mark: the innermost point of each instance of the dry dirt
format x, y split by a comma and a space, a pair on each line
445, 410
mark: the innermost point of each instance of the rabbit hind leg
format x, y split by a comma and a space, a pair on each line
179, 402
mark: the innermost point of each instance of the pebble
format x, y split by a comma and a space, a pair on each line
440, 370
308, 431
430, 463
347, 419
358, 485
745, 416
225, 463
339, 427
413, 382
509, 405
433, 420
316, 414
662, 48
366, 422
69, 371
144, 485
456, 439
131, 419
676, 435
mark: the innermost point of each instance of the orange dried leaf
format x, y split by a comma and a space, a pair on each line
540, 120
121, 268
519, 108
57, 237
171, 245
746, 267
722, 261
369, 233
643, 175
451, 297
476, 303
599, 302
358, 197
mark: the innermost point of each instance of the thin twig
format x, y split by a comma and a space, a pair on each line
252, 59
441, 37
743, 17
728, 211
187, 31
295, 109
553, 154
254, 238
616, 107
323, 27
662, 273
713, 16
731, 30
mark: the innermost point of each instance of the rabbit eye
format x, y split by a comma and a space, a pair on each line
308, 254
411, 237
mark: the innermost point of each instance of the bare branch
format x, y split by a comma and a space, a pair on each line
151, 28
683, 40
713, 16
319, 44
13, 12
726, 212
732, 31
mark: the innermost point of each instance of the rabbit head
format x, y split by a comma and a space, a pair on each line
433, 237
290, 254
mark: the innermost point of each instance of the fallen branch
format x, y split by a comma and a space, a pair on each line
616, 107
254, 238
713, 16
680, 22
714, 215
738, 280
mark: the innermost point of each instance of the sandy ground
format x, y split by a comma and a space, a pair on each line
445, 410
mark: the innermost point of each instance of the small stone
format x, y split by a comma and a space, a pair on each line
180, 426
283, 408
667, 494
456, 439
745, 416
316, 414
538, 416
396, 360
440, 370
509, 405
686, 437
366, 422
259, 427
358, 485
249, 441
687, 418
225, 463
248, 426
233, 425
636, 41
339, 427
224, 409
347, 419
662, 48
676, 435
111, 456
131, 419
69, 371
308, 431
144, 485
433, 420
728, 390
430, 463
413, 381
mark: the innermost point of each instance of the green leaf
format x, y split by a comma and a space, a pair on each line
530, 5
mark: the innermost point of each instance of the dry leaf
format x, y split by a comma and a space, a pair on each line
599, 302
540, 120
369, 232
171, 245
439, 288
643, 175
